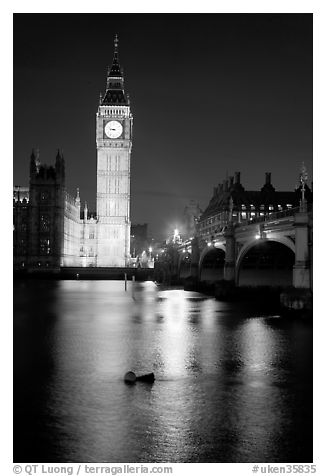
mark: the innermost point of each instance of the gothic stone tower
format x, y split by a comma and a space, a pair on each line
114, 142
46, 213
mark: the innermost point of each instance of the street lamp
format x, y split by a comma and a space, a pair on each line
303, 181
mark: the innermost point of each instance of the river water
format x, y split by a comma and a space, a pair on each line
233, 382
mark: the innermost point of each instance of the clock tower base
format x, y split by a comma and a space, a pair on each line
113, 243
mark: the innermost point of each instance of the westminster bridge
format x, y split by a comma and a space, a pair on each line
274, 250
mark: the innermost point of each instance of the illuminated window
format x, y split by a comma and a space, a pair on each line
288, 205
270, 207
279, 207
262, 207
252, 207
243, 206
45, 223
243, 215
45, 248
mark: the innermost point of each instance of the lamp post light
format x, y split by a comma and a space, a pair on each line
303, 181
175, 235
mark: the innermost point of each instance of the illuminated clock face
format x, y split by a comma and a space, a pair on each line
113, 129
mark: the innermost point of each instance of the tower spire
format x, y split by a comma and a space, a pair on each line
115, 93
115, 70
116, 45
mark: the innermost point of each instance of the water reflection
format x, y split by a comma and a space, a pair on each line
229, 387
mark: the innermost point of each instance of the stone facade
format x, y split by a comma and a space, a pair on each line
232, 203
50, 230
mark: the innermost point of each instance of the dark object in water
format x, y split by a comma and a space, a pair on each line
130, 377
146, 378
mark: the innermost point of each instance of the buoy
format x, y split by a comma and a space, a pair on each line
130, 377
146, 378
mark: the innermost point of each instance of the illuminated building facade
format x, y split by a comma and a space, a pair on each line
113, 139
50, 229
231, 202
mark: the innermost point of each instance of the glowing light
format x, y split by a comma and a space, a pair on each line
257, 237
150, 249
209, 244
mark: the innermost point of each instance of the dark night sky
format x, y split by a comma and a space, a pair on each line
210, 93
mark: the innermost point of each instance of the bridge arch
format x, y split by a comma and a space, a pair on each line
272, 251
211, 263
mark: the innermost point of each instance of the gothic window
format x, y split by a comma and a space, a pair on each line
270, 208
45, 248
262, 207
44, 223
279, 208
243, 207
91, 234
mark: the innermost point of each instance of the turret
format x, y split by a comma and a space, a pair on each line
77, 199
268, 187
60, 166
85, 212
32, 165
77, 202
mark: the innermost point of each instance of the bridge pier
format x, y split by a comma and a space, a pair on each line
301, 268
229, 266
195, 253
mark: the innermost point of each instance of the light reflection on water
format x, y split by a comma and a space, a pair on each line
230, 387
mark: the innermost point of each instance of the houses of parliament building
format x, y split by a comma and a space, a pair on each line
50, 229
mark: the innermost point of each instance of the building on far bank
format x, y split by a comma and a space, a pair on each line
231, 202
191, 215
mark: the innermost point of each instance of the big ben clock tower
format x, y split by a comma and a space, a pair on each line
114, 142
